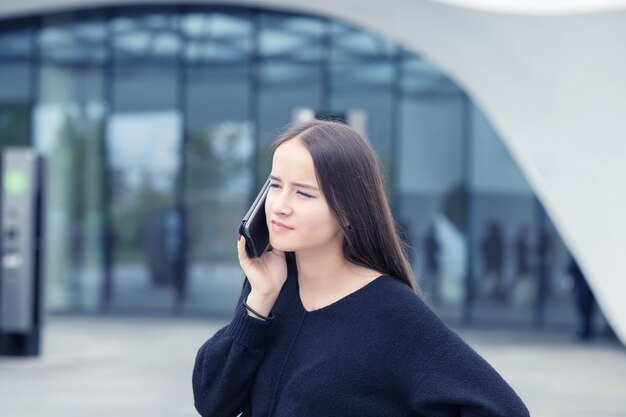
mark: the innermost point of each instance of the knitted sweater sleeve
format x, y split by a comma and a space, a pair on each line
226, 363
457, 381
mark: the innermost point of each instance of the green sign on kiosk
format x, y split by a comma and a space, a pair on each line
14, 182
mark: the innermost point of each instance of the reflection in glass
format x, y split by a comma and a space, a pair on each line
350, 44
143, 165
503, 223
68, 132
217, 37
68, 38
291, 37
283, 88
421, 77
16, 41
218, 176
430, 199
146, 37
369, 88
15, 86
188, 100
144, 142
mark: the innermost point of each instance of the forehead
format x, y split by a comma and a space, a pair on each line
293, 161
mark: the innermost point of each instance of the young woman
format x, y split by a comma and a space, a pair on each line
330, 322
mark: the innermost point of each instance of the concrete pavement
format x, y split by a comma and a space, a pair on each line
116, 366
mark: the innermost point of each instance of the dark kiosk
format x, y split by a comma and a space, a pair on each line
21, 250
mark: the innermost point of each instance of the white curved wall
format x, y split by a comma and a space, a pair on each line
552, 85
539, 6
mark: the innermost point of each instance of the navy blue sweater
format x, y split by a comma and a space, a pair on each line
377, 352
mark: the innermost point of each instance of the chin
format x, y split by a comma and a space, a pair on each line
283, 245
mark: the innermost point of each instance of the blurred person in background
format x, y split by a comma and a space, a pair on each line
432, 278
522, 285
492, 247
585, 300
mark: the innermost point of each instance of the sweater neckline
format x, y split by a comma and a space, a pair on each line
340, 301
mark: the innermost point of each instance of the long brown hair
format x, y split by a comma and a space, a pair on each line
348, 173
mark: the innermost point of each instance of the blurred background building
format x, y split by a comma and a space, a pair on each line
155, 121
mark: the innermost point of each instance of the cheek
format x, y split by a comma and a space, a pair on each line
321, 224
268, 206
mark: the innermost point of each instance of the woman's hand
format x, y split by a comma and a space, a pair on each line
266, 274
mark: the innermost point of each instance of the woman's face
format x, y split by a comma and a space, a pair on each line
298, 216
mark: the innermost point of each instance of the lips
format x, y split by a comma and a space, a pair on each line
281, 225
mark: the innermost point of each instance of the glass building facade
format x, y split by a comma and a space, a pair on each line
155, 123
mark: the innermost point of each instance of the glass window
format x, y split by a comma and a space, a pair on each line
69, 127
144, 146
78, 39
351, 44
421, 77
213, 37
503, 224
430, 196
69, 122
368, 88
362, 78
146, 36
290, 37
218, 178
15, 103
283, 88
15, 85
171, 110
16, 39
556, 287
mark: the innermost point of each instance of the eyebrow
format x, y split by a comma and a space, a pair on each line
297, 184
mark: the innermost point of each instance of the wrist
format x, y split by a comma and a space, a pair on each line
260, 303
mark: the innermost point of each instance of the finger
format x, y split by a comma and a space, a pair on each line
241, 248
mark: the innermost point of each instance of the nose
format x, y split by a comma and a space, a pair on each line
279, 203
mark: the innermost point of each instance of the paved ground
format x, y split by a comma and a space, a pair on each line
105, 367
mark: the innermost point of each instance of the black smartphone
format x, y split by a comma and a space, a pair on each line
254, 227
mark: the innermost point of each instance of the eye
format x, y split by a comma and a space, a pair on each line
274, 185
305, 194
